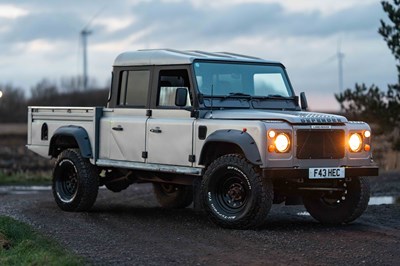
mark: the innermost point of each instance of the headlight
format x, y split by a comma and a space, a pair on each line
355, 142
282, 142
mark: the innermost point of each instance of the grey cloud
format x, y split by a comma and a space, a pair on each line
49, 19
51, 26
355, 20
182, 22
177, 22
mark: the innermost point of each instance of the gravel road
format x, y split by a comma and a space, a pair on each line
129, 228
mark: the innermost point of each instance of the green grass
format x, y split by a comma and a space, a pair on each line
24, 246
25, 178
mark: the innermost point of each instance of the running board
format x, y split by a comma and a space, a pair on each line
151, 167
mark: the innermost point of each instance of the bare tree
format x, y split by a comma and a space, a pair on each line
12, 104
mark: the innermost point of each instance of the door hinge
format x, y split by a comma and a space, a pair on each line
144, 154
149, 113
192, 158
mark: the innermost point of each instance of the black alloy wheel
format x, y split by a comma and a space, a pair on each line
75, 181
234, 194
67, 181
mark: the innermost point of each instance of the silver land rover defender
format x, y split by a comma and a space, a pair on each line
222, 130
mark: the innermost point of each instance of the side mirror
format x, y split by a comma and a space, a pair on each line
111, 88
303, 101
181, 97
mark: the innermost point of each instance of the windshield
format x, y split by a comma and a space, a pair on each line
241, 79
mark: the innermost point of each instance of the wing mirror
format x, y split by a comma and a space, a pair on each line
303, 101
181, 97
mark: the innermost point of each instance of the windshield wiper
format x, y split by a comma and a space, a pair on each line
237, 95
277, 96
273, 97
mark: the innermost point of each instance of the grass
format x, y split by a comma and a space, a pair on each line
25, 178
21, 245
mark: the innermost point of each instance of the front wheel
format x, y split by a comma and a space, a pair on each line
75, 181
234, 195
340, 207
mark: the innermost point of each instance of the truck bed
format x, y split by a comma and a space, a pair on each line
44, 121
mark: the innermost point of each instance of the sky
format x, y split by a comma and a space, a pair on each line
41, 39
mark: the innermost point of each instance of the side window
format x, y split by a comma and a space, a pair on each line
169, 81
134, 88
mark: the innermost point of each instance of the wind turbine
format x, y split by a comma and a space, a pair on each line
340, 58
85, 32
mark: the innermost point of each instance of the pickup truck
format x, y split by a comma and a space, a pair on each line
223, 131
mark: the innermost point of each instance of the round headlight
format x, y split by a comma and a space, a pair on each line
355, 142
282, 142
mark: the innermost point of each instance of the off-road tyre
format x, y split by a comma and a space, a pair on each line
234, 194
75, 181
342, 209
173, 196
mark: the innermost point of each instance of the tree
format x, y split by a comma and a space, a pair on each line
43, 93
372, 104
12, 105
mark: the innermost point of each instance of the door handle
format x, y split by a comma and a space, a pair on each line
156, 130
118, 128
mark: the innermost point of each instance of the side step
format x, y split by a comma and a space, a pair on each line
196, 171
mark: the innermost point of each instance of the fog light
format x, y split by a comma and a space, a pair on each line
271, 134
355, 142
271, 148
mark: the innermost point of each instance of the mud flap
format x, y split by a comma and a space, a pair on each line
197, 204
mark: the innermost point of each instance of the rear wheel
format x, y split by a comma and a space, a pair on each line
234, 194
173, 196
340, 207
75, 181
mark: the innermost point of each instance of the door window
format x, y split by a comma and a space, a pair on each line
169, 82
134, 87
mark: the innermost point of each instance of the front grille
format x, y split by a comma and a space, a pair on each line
320, 144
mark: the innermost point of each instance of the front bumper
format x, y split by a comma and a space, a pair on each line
303, 173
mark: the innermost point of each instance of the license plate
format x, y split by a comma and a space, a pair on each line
328, 172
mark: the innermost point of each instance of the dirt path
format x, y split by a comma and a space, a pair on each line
129, 228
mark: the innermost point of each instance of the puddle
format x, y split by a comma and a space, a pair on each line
23, 189
384, 200
372, 201
303, 213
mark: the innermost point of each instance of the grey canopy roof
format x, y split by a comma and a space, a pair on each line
175, 57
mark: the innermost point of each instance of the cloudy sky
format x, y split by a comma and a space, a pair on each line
40, 39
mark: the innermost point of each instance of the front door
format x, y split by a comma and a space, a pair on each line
169, 131
170, 137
